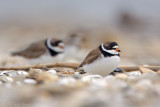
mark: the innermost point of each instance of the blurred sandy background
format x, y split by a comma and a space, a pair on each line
134, 25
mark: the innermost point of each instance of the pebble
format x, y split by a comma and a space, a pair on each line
99, 83
145, 70
46, 77
76, 76
67, 81
89, 78
6, 79
134, 73
22, 73
52, 71
9, 73
121, 76
76, 73
34, 72
9, 79
132, 77
30, 81
109, 77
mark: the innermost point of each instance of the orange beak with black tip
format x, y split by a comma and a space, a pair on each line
117, 50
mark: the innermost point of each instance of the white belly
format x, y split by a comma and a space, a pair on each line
46, 58
102, 66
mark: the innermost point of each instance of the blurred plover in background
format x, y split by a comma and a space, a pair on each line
102, 60
42, 51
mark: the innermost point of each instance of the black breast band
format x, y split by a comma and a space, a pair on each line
52, 52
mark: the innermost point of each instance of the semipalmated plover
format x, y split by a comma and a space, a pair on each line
102, 60
49, 46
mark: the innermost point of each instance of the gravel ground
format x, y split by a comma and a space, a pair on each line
61, 87
41, 88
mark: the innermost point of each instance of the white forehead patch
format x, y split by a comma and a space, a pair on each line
115, 46
114, 52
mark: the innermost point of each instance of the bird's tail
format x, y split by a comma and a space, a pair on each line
15, 53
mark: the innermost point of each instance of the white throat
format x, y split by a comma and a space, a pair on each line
114, 52
57, 49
